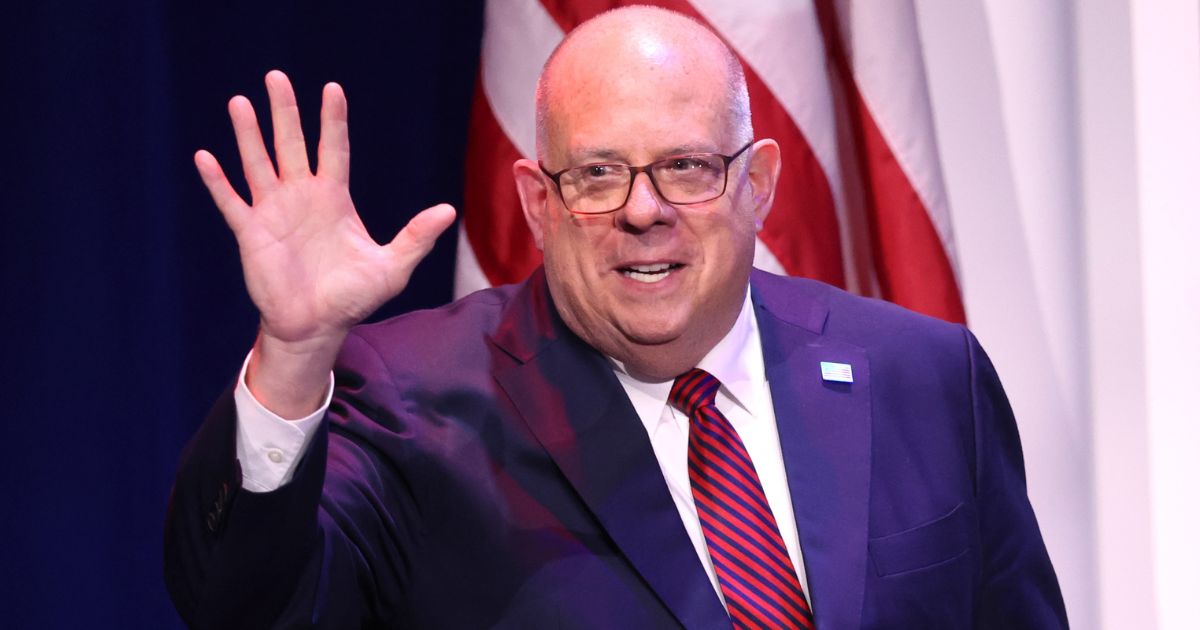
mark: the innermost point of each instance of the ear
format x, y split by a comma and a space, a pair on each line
533, 188
763, 173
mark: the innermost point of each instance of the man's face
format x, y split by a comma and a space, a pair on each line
652, 284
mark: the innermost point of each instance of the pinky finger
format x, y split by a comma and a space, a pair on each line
231, 205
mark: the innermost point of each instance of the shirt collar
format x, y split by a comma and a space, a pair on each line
737, 361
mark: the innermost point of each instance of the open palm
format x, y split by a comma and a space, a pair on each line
310, 266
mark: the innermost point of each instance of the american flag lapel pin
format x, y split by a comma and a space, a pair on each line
836, 372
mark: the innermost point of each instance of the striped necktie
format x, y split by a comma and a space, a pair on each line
752, 564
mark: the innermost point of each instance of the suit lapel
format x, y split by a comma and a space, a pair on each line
825, 436
569, 397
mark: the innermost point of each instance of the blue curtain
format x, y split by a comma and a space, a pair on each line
123, 301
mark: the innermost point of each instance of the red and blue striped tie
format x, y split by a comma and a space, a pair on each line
752, 564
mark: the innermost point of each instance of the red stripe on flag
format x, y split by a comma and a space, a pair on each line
912, 266
571, 13
492, 214
911, 261
802, 230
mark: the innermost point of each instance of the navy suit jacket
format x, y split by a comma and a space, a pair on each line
482, 467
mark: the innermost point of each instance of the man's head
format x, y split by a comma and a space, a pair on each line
632, 87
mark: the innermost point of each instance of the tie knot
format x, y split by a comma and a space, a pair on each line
693, 390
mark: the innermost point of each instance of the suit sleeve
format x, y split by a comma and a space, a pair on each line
1018, 587
316, 552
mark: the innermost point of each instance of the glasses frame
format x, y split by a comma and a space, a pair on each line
633, 173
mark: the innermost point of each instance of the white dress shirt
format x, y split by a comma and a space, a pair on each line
268, 446
745, 400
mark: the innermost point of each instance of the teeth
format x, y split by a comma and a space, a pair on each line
651, 268
648, 273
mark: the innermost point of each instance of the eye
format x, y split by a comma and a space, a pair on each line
595, 173
687, 163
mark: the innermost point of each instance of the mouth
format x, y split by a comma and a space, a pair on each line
649, 273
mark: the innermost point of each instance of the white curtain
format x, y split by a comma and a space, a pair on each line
1070, 142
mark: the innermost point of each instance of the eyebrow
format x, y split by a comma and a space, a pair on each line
591, 155
594, 154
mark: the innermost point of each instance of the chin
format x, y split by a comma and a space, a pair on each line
648, 333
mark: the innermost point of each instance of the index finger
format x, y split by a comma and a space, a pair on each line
231, 205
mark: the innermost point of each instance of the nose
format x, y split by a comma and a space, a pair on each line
645, 208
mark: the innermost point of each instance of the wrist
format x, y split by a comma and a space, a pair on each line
290, 378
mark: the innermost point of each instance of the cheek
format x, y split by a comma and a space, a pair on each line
576, 285
575, 246
728, 256
728, 241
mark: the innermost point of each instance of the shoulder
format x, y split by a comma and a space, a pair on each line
835, 314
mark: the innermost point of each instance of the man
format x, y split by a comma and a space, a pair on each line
644, 434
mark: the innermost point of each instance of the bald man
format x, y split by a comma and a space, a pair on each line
646, 433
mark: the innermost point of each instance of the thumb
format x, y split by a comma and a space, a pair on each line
416, 239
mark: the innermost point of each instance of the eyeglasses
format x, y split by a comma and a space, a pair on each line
679, 180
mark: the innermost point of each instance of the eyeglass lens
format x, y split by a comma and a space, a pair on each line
597, 188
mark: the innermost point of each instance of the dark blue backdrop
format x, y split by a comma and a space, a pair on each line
124, 309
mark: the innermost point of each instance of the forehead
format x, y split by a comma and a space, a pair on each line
637, 96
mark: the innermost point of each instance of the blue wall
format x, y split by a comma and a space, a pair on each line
124, 309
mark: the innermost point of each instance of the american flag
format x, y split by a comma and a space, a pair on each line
839, 84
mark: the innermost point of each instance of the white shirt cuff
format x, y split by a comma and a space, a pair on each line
269, 446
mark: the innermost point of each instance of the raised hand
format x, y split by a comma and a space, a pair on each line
310, 266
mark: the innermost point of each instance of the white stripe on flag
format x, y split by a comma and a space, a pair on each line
468, 275
885, 52
781, 41
518, 37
